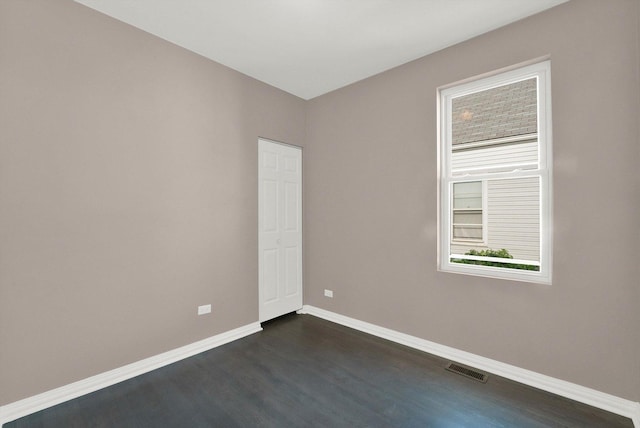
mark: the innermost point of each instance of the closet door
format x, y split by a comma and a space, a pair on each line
280, 229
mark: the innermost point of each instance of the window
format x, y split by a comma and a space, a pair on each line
467, 212
495, 176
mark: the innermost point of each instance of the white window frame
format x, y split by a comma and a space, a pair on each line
541, 71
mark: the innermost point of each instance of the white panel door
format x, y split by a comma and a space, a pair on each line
279, 229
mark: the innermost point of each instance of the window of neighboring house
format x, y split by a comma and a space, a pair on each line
495, 176
467, 212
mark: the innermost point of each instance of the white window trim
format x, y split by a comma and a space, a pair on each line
540, 70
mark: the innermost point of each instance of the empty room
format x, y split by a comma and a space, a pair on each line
295, 213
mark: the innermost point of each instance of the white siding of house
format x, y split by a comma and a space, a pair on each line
513, 217
495, 156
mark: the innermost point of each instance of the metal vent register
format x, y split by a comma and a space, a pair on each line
467, 372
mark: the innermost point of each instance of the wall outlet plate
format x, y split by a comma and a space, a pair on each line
328, 293
204, 309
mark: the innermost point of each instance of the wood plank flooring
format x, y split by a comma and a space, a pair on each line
302, 371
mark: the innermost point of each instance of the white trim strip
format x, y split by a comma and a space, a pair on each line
18, 409
496, 142
585, 395
494, 259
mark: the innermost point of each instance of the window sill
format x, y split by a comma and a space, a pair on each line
536, 277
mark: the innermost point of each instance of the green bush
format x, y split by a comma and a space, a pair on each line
502, 253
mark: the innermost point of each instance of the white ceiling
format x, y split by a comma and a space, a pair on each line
311, 47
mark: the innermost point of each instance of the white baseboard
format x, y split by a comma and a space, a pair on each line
73, 390
563, 388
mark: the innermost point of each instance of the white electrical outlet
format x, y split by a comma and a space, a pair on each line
204, 309
328, 293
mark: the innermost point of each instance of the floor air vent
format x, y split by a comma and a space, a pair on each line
467, 372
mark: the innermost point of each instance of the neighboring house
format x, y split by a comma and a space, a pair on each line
496, 130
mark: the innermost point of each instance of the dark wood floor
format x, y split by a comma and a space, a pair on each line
302, 371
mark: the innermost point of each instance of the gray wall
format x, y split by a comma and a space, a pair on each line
371, 203
128, 194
